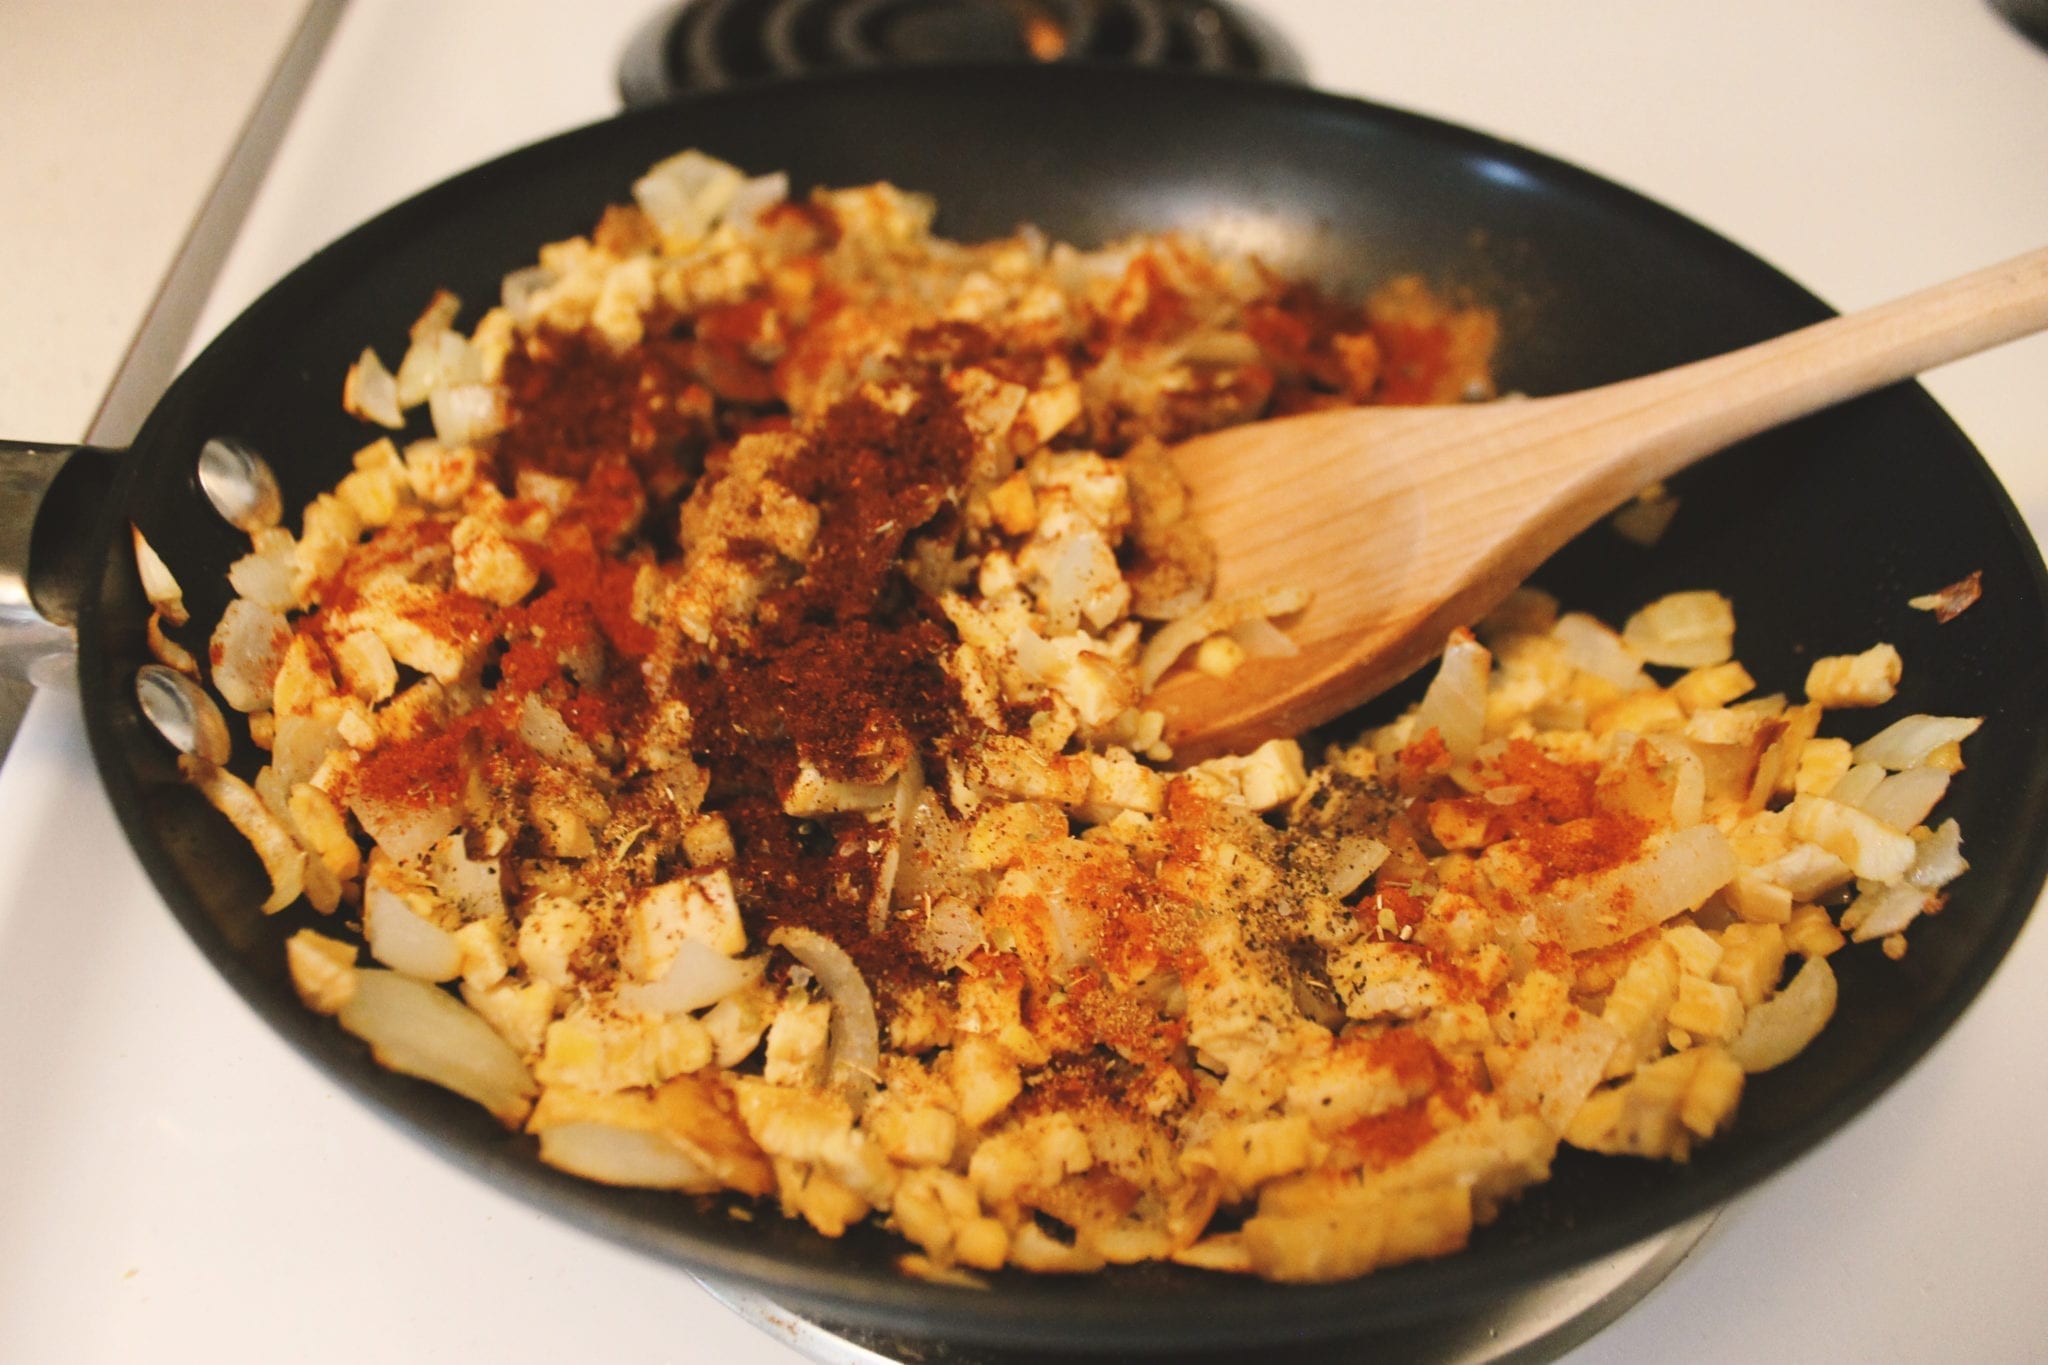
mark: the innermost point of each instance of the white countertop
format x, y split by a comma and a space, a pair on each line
178, 1185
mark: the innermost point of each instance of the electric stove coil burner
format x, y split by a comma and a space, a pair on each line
715, 44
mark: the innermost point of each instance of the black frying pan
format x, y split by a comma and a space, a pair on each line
1820, 533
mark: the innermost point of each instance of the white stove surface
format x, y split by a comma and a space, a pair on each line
175, 1184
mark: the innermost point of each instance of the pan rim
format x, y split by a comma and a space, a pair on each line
1028, 1310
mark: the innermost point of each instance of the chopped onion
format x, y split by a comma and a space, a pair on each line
1559, 1068
1779, 1029
264, 576
158, 585
699, 976
949, 933
1940, 859
543, 730
1854, 786
1592, 648
248, 648
1884, 910
686, 194
909, 789
405, 941
404, 828
283, 860
1261, 639
371, 392
423, 1031
1455, 704
755, 197
302, 742
522, 288
854, 1059
435, 361
1872, 849
466, 413
471, 886
1908, 742
1906, 798
1607, 907
1683, 630
1177, 637
1358, 856
634, 1157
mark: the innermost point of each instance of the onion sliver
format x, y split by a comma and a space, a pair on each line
623, 1156
423, 1031
1908, 742
404, 941
1779, 1029
699, 976
855, 1058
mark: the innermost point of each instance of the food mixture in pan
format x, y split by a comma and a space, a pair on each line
722, 746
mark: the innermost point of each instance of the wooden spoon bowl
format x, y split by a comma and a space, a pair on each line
1405, 523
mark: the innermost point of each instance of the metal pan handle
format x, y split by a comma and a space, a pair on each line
49, 495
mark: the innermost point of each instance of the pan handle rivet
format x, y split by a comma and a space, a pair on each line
239, 485
182, 713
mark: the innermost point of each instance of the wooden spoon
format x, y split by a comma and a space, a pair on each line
1406, 522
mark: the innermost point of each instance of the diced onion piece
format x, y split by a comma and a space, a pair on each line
1872, 849
1907, 798
404, 828
436, 362
855, 1056
1808, 871
520, 289
1177, 637
423, 1031
264, 576
471, 886
248, 648
902, 814
1683, 630
622, 1156
543, 730
1591, 647
1560, 1067
1884, 910
1455, 704
699, 976
1607, 907
686, 194
322, 888
1907, 743
465, 414
1779, 1029
282, 858
405, 941
1357, 857
371, 392
1261, 639
158, 584
323, 970
949, 932
1940, 859
756, 197
1854, 786
813, 793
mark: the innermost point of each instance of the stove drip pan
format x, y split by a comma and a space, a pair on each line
716, 44
1540, 1323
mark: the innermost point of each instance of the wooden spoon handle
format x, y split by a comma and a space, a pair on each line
1654, 426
